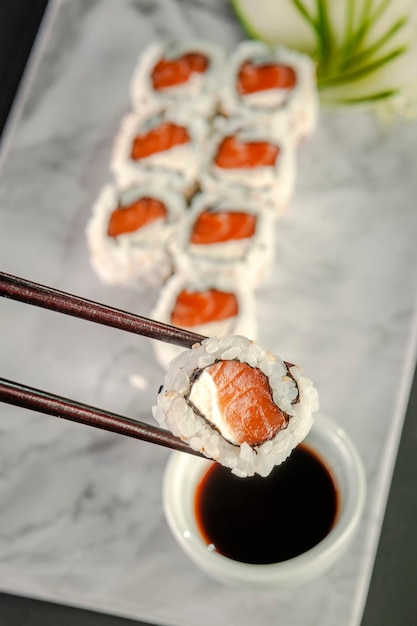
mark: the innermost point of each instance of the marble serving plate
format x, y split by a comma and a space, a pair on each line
81, 517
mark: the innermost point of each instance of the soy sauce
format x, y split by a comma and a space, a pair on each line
268, 520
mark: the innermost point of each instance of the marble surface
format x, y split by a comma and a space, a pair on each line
81, 517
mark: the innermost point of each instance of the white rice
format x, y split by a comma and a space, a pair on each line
175, 413
244, 323
271, 186
300, 104
140, 258
249, 258
199, 94
179, 165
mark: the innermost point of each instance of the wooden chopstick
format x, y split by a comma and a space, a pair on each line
45, 402
48, 298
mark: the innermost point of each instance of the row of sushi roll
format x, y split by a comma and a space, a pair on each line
172, 153
254, 79
188, 154
203, 166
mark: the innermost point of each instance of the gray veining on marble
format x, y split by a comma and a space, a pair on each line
81, 516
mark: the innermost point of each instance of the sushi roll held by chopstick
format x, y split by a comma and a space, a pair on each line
237, 403
175, 74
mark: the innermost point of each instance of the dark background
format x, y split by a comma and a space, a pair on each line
392, 599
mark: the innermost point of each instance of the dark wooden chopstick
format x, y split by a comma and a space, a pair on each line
45, 402
48, 298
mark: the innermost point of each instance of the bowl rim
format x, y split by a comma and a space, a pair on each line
183, 472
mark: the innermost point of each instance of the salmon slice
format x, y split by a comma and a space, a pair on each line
236, 154
169, 73
217, 227
159, 139
194, 308
127, 219
253, 78
245, 402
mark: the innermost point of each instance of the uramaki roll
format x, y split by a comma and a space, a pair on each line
228, 234
237, 404
129, 232
210, 305
270, 81
179, 73
156, 143
251, 158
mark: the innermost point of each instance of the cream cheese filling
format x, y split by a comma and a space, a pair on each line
204, 396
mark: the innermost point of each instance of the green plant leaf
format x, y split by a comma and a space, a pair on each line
304, 12
379, 11
361, 72
356, 34
325, 34
367, 99
367, 22
366, 10
366, 54
350, 16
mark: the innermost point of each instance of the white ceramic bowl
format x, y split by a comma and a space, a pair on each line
184, 472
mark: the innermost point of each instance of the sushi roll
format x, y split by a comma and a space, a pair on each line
269, 81
237, 404
176, 73
227, 234
129, 231
155, 143
204, 304
247, 157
